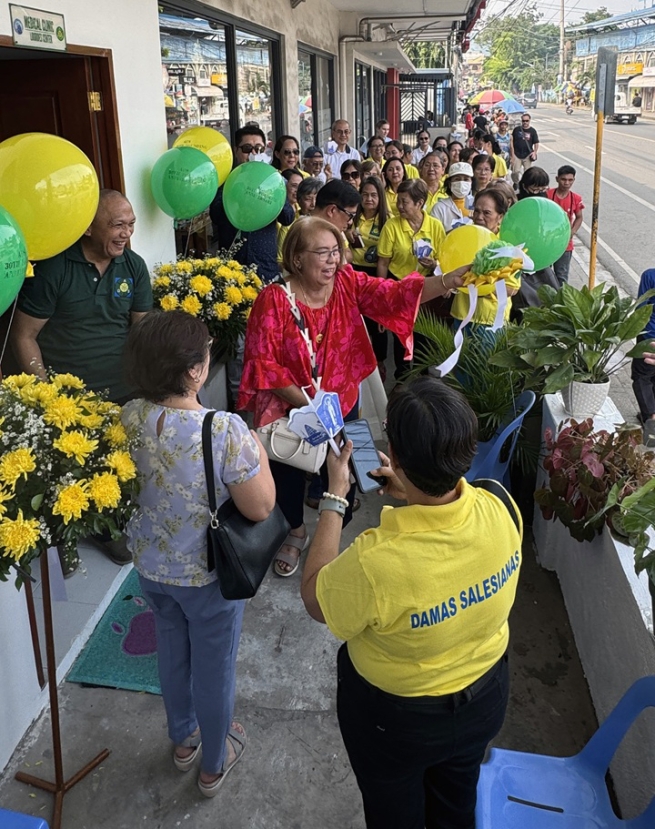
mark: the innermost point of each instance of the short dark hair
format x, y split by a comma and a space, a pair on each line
415, 188
432, 433
567, 170
308, 186
286, 174
161, 348
339, 193
238, 135
459, 144
371, 140
381, 123
468, 153
394, 143
535, 177
497, 197
483, 159
406, 149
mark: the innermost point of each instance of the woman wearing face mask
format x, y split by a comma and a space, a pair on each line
431, 169
456, 210
394, 174
534, 184
483, 171
489, 209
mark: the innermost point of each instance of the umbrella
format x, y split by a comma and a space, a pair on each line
510, 106
490, 97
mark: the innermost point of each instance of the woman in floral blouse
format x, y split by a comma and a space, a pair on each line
331, 297
197, 629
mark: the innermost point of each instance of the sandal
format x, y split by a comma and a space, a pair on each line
238, 741
194, 742
291, 559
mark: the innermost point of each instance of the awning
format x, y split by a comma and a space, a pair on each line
209, 92
642, 83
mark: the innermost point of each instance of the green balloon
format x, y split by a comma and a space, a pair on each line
253, 196
184, 182
13, 259
539, 224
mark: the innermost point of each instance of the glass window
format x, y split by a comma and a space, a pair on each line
324, 108
194, 73
255, 81
305, 103
363, 125
379, 95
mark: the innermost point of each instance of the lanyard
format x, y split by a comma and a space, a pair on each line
302, 327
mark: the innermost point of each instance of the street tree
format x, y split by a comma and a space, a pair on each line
522, 51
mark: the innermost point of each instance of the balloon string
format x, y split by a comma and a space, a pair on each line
11, 319
232, 248
188, 239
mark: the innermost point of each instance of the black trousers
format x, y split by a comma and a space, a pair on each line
643, 385
417, 760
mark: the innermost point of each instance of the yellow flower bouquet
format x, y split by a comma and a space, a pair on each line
65, 467
217, 290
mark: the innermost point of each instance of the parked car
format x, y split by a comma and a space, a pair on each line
529, 100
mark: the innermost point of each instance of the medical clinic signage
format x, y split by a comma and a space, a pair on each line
38, 29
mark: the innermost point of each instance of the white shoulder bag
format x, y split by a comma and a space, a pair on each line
280, 443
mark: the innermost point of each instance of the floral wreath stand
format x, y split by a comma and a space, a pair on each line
60, 785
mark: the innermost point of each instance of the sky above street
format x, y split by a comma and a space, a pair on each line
574, 9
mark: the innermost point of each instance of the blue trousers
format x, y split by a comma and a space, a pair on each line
197, 642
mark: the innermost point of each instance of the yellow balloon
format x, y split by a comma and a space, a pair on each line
462, 244
50, 187
214, 144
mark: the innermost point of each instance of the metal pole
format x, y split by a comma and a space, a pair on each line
561, 41
600, 123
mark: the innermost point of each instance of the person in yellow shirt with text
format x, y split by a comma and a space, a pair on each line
422, 602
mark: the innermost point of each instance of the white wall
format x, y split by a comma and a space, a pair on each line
20, 695
131, 30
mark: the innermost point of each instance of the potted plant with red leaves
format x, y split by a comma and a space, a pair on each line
589, 474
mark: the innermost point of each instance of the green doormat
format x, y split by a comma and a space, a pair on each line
122, 650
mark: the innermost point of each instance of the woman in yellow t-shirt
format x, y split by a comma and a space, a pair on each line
492, 148
375, 150
409, 243
363, 240
432, 171
293, 179
489, 208
422, 602
394, 174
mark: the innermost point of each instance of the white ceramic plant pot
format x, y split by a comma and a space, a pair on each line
584, 399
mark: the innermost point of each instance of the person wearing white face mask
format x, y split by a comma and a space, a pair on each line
456, 210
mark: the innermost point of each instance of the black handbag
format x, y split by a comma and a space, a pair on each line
240, 550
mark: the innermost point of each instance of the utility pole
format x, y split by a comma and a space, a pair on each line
561, 41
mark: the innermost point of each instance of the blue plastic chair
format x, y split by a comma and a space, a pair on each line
531, 791
490, 460
15, 820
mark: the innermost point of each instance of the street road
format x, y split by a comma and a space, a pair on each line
627, 196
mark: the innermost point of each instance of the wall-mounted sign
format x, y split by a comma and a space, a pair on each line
37, 29
630, 68
649, 71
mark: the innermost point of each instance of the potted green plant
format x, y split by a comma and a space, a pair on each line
590, 475
572, 342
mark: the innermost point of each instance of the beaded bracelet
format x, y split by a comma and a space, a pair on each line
336, 498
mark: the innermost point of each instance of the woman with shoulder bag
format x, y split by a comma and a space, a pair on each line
197, 629
286, 352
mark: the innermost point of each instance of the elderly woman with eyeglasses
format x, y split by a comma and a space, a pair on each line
331, 298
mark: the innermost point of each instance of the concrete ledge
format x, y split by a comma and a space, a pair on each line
610, 611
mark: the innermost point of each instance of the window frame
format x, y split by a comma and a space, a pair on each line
315, 53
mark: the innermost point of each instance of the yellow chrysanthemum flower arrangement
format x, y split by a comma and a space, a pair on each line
216, 289
66, 471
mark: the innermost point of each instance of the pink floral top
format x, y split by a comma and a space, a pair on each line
276, 355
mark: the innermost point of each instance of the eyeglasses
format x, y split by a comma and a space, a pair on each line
527, 121
375, 146
424, 138
432, 166
351, 216
251, 148
349, 176
342, 132
325, 255
291, 152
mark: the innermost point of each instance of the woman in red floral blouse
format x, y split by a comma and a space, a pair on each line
332, 297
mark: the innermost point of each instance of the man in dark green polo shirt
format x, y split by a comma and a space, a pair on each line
75, 313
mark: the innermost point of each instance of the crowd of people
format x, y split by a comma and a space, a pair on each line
421, 601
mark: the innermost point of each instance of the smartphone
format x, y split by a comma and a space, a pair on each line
365, 457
